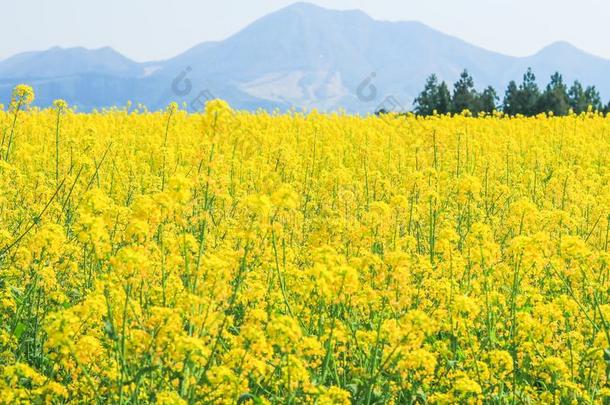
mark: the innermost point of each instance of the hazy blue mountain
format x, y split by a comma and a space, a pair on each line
86, 78
308, 56
303, 56
572, 62
60, 62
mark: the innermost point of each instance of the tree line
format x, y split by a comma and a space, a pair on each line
525, 98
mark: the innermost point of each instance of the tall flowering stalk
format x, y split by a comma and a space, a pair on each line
23, 96
60, 106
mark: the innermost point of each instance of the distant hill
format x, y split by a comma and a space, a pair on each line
303, 56
58, 62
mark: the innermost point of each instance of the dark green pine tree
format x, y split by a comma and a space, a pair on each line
555, 96
511, 104
443, 104
529, 95
426, 102
581, 99
577, 99
593, 99
487, 101
434, 97
464, 94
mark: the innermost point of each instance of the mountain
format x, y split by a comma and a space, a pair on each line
572, 62
308, 56
303, 56
58, 62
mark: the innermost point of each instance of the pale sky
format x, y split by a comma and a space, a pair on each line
146, 30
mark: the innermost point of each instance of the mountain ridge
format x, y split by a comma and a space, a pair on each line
302, 56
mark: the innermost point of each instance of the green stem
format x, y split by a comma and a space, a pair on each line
12, 133
57, 147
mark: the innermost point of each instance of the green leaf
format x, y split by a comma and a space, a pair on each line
244, 397
19, 329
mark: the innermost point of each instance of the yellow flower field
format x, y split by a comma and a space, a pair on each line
229, 257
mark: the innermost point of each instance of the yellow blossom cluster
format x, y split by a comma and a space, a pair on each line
231, 257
